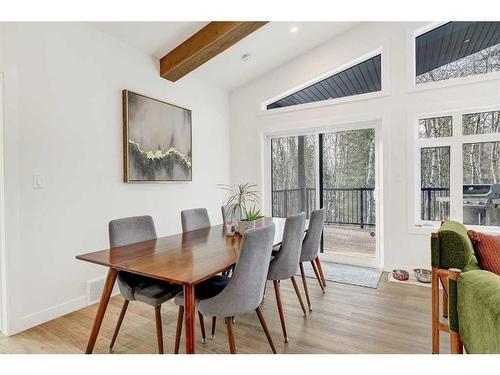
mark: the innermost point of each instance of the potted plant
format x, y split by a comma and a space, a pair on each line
248, 219
243, 198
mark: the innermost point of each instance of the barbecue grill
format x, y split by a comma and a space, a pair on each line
481, 204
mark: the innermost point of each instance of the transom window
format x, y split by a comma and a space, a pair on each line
362, 78
457, 49
459, 167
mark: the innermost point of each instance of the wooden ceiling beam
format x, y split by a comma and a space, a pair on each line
207, 43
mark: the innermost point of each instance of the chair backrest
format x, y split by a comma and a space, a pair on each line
195, 218
452, 248
286, 263
312, 240
230, 212
245, 290
130, 230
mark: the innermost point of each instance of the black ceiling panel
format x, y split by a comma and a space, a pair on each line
453, 41
358, 79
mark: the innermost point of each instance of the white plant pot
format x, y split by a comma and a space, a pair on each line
244, 225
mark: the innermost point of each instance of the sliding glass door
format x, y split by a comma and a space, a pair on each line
293, 175
348, 193
343, 165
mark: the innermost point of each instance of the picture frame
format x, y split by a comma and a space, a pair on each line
157, 140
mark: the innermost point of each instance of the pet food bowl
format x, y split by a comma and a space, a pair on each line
423, 275
400, 275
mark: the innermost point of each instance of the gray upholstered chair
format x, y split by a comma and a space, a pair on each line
204, 290
230, 212
284, 265
310, 251
136, 287
194, 219
245, 290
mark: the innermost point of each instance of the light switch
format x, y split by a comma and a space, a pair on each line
39, 181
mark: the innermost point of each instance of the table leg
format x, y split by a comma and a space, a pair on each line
189, 307
101, 310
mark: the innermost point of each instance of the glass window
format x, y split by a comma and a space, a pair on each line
362, 78
481, 163
481, 123
481, 189
475, 152
435, 183
293, 175
435, 127
457, 49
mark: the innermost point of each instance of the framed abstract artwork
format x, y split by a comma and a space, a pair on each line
157, 142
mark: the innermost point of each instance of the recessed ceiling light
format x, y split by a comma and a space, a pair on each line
294, 29
246, 57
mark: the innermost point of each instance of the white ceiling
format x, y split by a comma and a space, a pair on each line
153, 38
270, 46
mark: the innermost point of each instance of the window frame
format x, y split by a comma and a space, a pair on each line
345, 99
413, 86
455, 142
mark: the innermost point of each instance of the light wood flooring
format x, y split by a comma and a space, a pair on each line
348, 319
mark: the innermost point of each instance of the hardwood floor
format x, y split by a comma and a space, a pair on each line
347, 319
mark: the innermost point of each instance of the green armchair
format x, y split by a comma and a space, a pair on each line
471, 296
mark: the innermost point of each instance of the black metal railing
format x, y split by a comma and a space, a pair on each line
292, 201
353, 206
435, 203
349, 206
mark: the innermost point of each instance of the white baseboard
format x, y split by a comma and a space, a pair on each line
34, 319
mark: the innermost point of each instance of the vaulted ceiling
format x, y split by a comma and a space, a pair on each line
266, 48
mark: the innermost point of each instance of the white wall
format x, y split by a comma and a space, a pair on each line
403, 245
2, 215
63, 119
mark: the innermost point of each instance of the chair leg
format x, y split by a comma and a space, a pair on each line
317, 276
304, 282
264, 327
118, 324
159, 332
178, 330
435, 311
230, 335
214, 324
280, 308
455, 343
455, 340
299, 297
202, 327
320, 269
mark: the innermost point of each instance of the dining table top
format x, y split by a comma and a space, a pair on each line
185, 258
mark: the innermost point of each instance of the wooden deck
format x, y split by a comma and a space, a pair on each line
349, 240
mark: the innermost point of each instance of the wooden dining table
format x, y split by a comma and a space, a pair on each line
185, 259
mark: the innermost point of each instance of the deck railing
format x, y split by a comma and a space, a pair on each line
353, 206
435, 203
292, 201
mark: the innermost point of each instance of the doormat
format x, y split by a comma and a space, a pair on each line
346, 274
